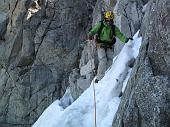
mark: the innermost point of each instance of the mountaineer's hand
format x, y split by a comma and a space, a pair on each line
129, 39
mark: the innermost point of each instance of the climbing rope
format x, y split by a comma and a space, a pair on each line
94, 92
94, 97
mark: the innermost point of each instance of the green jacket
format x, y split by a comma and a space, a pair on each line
107, 33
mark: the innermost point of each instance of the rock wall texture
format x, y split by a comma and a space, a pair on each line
146, 101
39, 46
129, 16
42, 52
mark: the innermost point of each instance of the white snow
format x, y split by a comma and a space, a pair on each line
81, 112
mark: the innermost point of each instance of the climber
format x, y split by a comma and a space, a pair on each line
104, 33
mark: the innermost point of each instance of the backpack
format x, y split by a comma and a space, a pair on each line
100, 30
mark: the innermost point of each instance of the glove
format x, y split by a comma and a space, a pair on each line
90, 37
128, 39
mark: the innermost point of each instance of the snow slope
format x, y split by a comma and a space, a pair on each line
81, 112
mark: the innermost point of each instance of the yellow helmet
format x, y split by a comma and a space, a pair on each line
109, 15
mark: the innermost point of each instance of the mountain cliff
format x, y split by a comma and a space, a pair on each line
39, 47
146, 101
43, 53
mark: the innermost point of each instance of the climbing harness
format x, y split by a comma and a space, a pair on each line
100, 30
94, 97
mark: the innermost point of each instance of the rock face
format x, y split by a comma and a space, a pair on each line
3, 25
42, 52
39, 47
128, 18
80, 79
146, 101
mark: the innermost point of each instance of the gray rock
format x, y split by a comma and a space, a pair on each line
89, 67
74, 89
40, 50
83, 83
128, 18
27, 51
88, 64
145, 102
3, 24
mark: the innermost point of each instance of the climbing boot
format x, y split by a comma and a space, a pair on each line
120, 95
